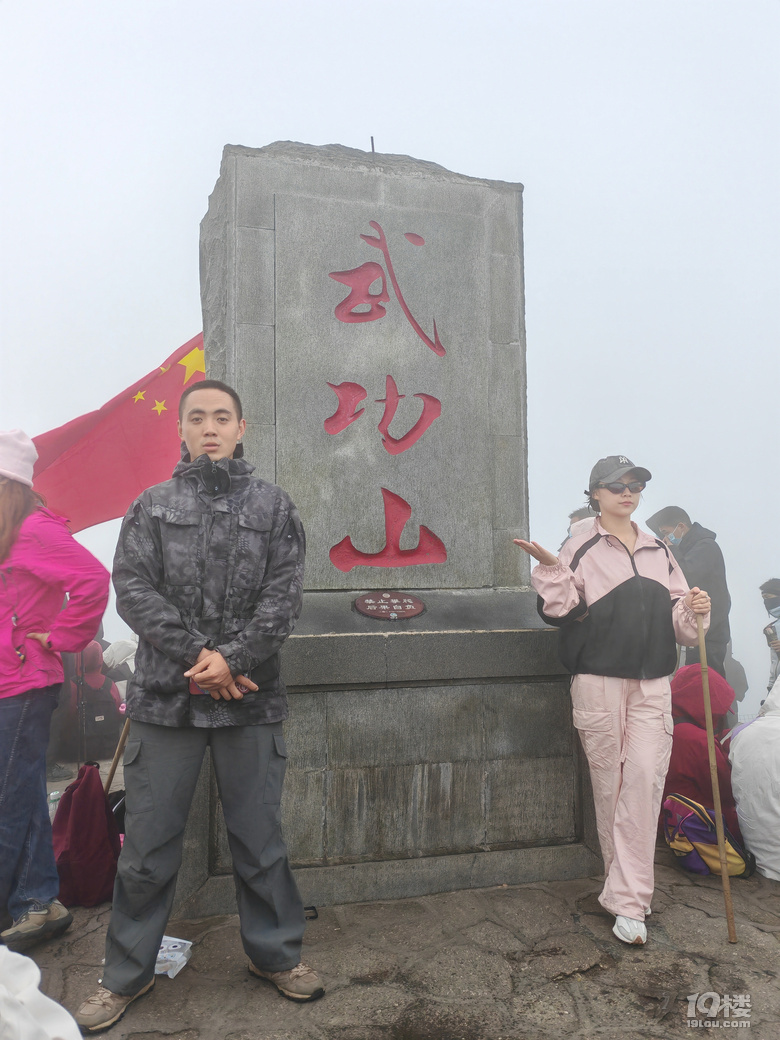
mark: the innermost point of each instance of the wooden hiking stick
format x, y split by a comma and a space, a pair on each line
724, 871
117, 754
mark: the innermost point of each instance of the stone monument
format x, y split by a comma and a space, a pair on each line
369, 309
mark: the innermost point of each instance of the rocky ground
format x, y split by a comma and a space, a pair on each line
528, 962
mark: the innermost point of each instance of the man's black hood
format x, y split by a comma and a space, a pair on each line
215, 477
696, 533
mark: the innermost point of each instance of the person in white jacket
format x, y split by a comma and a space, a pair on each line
621, 603
755, 781
25, 1012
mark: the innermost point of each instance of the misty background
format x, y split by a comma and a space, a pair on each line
645, 135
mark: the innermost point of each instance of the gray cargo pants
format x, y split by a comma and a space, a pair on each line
161, 765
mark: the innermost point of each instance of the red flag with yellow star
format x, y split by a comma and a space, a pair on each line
91, 469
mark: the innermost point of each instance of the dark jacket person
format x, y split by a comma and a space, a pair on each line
209, 573
701, 560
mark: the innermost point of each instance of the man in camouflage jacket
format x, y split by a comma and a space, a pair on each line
209, 572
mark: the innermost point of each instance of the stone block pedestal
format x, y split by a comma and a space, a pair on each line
426, 755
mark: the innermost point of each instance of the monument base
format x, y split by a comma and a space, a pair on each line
427, 754
406, 878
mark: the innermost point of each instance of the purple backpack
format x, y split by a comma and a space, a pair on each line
690, 833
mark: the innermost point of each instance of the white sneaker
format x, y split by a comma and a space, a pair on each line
630, 931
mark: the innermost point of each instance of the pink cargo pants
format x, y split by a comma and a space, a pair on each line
626, 728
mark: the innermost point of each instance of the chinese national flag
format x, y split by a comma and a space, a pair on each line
91, 469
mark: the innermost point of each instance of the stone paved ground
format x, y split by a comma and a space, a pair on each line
529, 962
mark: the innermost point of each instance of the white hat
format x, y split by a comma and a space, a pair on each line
17, 456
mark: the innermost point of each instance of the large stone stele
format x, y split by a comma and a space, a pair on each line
446, 250
436, 752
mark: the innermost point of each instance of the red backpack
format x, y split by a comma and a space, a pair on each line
86, 841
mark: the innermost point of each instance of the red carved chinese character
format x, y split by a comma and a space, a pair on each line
360, 280
429, 549
349, 395
431, 411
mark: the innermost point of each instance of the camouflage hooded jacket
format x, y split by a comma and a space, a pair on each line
211, 558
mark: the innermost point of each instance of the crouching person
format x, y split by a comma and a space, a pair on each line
209, 573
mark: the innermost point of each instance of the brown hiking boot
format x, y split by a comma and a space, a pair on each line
104, 1008
37, 925
299, 983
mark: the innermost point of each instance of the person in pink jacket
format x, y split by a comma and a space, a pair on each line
39, 563
621, 603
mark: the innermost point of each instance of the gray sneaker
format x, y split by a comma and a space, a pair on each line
299, 983
44, 922
104, 1008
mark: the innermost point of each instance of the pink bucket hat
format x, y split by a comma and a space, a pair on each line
17, 456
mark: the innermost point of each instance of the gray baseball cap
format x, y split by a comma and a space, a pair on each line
612, 468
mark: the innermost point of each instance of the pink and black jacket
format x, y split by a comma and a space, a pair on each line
618, 614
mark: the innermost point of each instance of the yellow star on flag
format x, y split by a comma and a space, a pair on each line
193, 362
159, 407
164, 368
139, 396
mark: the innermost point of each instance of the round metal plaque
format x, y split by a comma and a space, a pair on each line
389, 606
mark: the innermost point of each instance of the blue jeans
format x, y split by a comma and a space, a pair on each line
28, 872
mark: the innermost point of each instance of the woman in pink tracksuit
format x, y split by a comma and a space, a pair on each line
621, 603
39, 563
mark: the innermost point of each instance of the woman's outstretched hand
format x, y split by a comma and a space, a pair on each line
698, 601
541, 555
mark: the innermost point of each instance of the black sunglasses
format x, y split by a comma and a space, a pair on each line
617, 488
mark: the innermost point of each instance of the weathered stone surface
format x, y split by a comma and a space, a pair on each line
536, 915
255, 356
451, 974
281, 220
401, 772
475, 633
546, 1007
407, 925
397, 878
404, 727
303, 813
363, 964
530, 800
490, 936
527, 720
437, 968
396, 811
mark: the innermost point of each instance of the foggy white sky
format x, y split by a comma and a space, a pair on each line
645, 134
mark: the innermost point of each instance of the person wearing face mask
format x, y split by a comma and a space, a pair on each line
621, 603
699, 555
770, 592
576, 518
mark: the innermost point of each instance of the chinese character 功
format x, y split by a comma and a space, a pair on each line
350, 394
